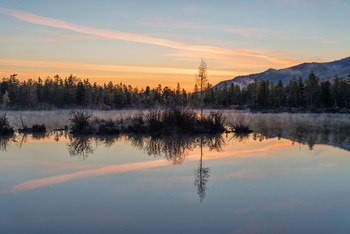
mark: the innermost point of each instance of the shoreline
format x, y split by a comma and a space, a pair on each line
257, 110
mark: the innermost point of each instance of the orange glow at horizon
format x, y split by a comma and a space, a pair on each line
137, 76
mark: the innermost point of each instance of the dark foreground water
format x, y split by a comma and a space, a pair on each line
278, 180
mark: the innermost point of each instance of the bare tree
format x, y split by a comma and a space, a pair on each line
201, 80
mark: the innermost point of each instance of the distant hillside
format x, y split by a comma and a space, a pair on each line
323, 70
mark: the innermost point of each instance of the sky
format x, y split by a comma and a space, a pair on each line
162, 42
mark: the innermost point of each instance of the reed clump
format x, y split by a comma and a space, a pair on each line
171, 120
185, 121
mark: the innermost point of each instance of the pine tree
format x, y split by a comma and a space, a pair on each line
312, 88
5, 99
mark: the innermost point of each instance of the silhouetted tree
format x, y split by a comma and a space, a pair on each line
202, 80
80, 93
312, 88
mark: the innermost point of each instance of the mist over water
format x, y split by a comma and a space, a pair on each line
60, 118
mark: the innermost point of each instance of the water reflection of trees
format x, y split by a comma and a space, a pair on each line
309, 135
5, 142
176, 147
80, 146
19, 139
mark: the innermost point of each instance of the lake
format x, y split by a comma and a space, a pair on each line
290, 176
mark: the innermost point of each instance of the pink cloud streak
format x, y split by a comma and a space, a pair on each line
106, 170
132, 37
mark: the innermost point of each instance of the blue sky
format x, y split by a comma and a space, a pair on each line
151, 42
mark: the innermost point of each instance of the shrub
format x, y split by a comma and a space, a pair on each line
81, 122
181, 119
215, 122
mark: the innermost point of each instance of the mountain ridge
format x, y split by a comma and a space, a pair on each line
326, 70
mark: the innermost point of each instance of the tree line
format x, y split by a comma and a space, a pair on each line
298, 93
74, 92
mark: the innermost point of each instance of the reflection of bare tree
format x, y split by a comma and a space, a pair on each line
201, 176
80, 146
22, 139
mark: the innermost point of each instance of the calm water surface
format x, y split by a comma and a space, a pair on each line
291, 179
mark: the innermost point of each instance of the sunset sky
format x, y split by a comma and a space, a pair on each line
149, 42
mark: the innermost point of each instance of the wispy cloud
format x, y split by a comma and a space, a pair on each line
132, 37
277, 206
329, 165
330, 42
255, 174
172, 23
8, 38
312, 2
191, 8
70, 37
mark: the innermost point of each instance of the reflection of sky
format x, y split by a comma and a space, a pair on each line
268, 186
